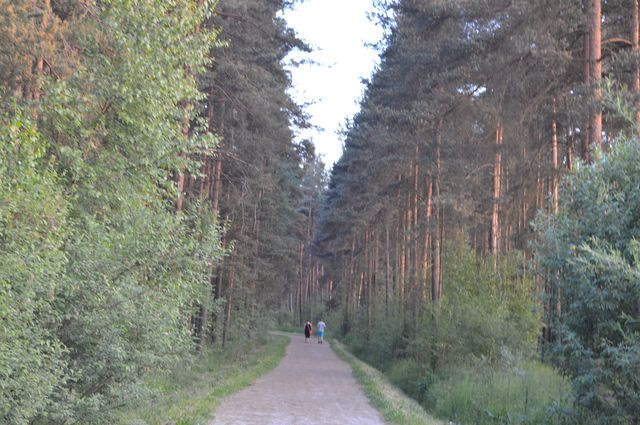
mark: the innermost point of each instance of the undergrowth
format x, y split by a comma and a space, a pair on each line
188, 396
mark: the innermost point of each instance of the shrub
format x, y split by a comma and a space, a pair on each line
591, 253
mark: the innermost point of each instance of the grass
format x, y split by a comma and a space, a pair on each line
189, 396
395, 406
488, 396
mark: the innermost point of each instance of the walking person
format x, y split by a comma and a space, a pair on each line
308, 330
321, 327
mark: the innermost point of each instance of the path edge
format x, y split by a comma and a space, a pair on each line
394, 406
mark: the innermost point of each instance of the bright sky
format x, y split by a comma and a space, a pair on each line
339, 32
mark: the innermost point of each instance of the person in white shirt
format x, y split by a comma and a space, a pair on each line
321, 327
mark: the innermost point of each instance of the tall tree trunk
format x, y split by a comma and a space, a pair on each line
635, 42
367, 261
217, 282
417, 263
46, 13
387, 266
435, 249
554, 159
300, 282
402, 265
586, 137
595, 69
217, 169
495, 214
569, 153
427, 239
227, 321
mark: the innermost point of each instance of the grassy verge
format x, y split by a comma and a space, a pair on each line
395, 407
527, 395
188, 396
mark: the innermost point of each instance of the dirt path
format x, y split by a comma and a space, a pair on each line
310, 386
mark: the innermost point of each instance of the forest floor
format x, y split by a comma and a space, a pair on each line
311, 385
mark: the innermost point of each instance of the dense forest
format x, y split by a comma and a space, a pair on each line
477, 241
481, 224
153, 197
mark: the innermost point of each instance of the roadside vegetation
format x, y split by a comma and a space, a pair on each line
474, 360
189, 394
395, 407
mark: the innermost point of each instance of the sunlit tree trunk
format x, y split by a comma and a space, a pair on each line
554, 159
300, 283
435, 248
417, 263
586, 71
635, 42
497, 177
367, 261
387, 266
402, 251
595, 69
569, 153
427, 239
46, 14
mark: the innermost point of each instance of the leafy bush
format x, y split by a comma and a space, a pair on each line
32, 262
590, 252
484, 311
97, 271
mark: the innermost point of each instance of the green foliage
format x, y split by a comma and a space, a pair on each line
484, 311
188, 395
97, 271
32, 262
395, 407
524, 393
590, 252
469, 358
385, 342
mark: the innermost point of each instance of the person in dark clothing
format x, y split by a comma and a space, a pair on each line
308, 330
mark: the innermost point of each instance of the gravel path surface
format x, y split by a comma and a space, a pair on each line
310, 386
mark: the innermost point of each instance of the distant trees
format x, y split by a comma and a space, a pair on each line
262, 184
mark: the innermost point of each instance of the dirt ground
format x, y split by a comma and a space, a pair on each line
310, 386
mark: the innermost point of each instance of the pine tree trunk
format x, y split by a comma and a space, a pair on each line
301, 297
40, 61
227, 321
586, 138
387, 266
417, 263
554, 159
217, 182
402, 265
495, 214
635, 42
427, 239
595, 70
217, 281
367, 260
435, 249
569, 153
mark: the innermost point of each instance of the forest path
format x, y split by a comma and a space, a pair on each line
311, 385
